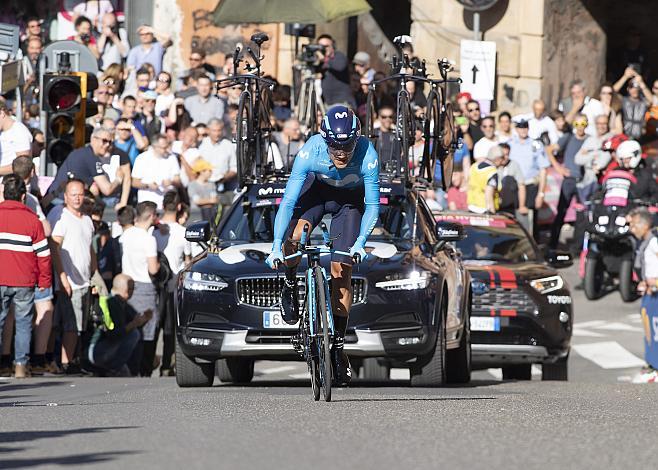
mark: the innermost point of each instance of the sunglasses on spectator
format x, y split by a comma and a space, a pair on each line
580, 124
470, 110
164, 80
104, 141
386, 116
109, 81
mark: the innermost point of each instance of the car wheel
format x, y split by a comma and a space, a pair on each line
627, 288
191, 374
373, 371
459, 360
594, 276
235, 370
433, 374
518, 372
556, 371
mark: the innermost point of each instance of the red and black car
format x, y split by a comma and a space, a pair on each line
522, 310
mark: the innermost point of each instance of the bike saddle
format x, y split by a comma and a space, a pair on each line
259, 38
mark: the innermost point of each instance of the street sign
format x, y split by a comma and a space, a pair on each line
477, 65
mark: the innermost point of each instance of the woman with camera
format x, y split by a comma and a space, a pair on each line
83, 35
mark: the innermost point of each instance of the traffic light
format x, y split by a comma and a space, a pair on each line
67, 101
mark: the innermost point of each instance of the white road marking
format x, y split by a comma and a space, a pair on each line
400, 374
496, 373
300, 376
577, 331
608, 355
590, 324
634, 317
618, 326
535, 371
277, 370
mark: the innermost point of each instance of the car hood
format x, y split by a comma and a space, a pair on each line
248, 259
508, 275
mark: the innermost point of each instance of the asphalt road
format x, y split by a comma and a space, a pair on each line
597, 419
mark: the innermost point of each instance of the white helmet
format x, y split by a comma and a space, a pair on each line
630, 150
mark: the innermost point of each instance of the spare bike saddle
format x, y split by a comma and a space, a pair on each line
259, 38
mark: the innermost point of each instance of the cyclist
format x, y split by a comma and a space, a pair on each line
336, 172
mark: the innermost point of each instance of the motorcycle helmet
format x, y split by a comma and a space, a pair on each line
629, 153
341, 129
611, 144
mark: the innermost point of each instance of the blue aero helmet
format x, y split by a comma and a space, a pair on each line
340, 128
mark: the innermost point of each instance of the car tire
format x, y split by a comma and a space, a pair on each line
191, 374
373, 371
459, 360
627, 288
556, 371
518, 372
433, 374
235, 370
594, 276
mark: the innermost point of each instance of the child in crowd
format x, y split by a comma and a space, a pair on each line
202, 192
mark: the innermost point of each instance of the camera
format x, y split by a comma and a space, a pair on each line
85, 38
636, 66
309, 50
115, 29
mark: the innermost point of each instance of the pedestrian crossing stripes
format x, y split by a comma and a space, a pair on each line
608, 355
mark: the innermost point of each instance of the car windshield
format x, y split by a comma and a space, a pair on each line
506, 244
252, 224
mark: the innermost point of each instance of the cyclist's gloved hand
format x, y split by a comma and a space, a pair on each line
276, 256
359, 249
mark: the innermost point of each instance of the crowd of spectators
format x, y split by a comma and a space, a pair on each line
162, 146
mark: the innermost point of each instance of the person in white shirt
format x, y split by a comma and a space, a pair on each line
156, 171
482, 146
170, 238
220, 153
140, 261
113, 42
579, 102
74, 262
188, 152
539, 123
15, 140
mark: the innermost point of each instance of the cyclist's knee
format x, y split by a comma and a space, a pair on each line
299, 228
341, 273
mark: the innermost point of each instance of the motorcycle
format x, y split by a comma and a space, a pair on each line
610, 251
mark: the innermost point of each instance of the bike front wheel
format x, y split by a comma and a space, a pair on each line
322, 339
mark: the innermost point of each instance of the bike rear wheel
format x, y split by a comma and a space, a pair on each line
244, 148
448, 145
405, 129
431, 132
323, 340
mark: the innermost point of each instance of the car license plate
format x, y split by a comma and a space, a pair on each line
272, 319
485, 323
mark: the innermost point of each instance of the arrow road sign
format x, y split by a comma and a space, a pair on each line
478, 68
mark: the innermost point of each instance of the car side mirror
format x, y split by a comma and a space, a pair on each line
448, 232
559, 259
198, 232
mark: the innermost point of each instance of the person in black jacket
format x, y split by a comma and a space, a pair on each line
114, 343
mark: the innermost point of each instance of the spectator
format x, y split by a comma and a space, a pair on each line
170, 238
33, 29
220, 153
84, 35
74, 262
116, 158
592, 158
540, 125
504, 132
569, 146
203, 193
95, 10
456, 196
112, 347
611, 108
463, 99
104, 104
143, 79
152, 48
33, 50
289, 141
361, 62
156, 171
129, 139
531, 157
113, 42
23, 268
178, 118
561, 125
165, 94
85, 164
579, 103
147, 118
512, 185
187, 152
198, 62
335, 74
388, 147
204, 106
140, 261
483, 183
474, 116
488, 140
634, 106
15, 139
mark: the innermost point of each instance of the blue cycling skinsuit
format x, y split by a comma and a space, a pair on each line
316, 187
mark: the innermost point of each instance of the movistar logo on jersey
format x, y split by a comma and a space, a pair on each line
303, 154
373, 165
340, 115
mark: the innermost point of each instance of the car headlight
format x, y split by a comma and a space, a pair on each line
203, 282
405, 281
547, 284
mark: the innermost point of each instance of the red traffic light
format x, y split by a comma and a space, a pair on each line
63, 93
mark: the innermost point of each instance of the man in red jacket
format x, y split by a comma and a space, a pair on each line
25, 261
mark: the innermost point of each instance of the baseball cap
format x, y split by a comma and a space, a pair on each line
150, 95
522, 123
200, 165
361, 58
464, 94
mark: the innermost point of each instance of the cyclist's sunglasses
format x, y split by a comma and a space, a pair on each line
347, 147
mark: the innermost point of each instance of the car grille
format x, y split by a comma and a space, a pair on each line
265, 291
503, 299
